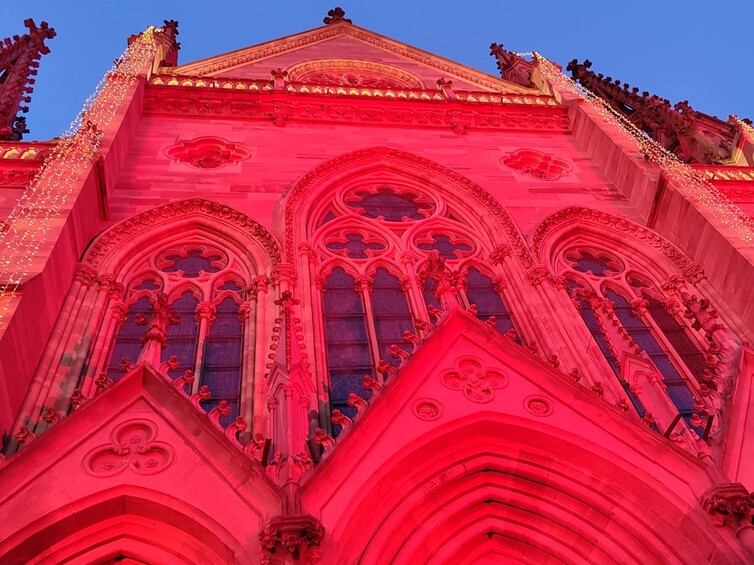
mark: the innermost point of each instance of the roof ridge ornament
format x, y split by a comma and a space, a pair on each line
336, 15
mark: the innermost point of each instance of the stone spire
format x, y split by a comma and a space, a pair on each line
19, 60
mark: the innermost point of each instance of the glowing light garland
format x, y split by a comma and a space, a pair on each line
37, 211
691, 183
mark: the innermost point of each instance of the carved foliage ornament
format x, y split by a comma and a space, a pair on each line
132, 446
601, 220
139, 223
472, 378
427, 409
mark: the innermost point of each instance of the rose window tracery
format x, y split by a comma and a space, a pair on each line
208, 152
385, 203
355, 245
594, 263
190, 263
448, 246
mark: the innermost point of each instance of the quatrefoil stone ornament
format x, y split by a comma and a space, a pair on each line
474, 380
132, 446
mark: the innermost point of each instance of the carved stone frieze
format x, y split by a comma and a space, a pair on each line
280, 109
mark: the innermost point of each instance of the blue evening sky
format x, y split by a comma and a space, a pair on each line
697, 50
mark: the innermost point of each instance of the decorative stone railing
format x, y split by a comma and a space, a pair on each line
477, 97
726, 173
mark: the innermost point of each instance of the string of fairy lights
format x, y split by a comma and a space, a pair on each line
690, 183
36, 214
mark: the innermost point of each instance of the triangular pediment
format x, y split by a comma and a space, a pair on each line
471, 388
350, 46
140, 435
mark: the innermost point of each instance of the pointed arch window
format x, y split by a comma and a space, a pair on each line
346, 338
168, 315
624, 314
222, 363
182, 337
375, 243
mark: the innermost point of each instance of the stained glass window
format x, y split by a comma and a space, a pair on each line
346, 338
192, 263
392, 316
182, 337
223, 355
128, 341
597, 265
590, 319
677, 388
355, 246
481, 292
389, 205
446, 247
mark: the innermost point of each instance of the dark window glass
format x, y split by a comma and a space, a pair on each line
677, 387
389, 205
346, 340
182, 337
392, 316
355, 247
223, 356
447, 249
128, 341
481, 292
599, 266
192, 263
590, 319
678, 338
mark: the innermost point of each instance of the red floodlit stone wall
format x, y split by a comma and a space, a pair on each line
467, 445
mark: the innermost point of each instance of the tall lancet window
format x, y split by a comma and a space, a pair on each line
390, 258
183, 315
626, 314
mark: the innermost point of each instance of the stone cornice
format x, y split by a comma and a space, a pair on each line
282, 107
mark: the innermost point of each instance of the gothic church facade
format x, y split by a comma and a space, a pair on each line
334, 299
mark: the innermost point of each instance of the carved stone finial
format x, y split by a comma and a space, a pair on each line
336, 15
19, 60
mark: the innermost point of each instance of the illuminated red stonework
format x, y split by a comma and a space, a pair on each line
333, 299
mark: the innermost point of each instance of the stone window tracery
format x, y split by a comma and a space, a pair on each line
626, 313
391, 257
183, 310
